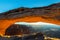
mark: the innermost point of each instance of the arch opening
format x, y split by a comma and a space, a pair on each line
20, 28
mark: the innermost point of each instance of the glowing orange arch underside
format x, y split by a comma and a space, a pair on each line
4, 24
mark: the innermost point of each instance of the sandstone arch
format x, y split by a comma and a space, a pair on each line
4, 24
49, 14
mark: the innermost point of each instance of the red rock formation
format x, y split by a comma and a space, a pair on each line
50, 14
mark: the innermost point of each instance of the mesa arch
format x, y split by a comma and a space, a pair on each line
4, 24
49, 14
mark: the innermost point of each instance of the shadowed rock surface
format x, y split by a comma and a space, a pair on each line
47, 12
37, 36
17, 29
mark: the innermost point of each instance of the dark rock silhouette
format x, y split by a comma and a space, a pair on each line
17, 29
17, 38
37, 36
40, 36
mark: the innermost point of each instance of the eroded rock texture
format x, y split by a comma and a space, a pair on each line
17, 29
49, 14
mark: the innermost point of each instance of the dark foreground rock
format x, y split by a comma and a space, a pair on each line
38, 36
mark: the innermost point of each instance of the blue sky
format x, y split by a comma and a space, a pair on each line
6, 5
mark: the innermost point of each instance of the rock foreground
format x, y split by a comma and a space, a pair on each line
37, 36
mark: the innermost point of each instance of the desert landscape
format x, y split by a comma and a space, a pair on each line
43, 15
